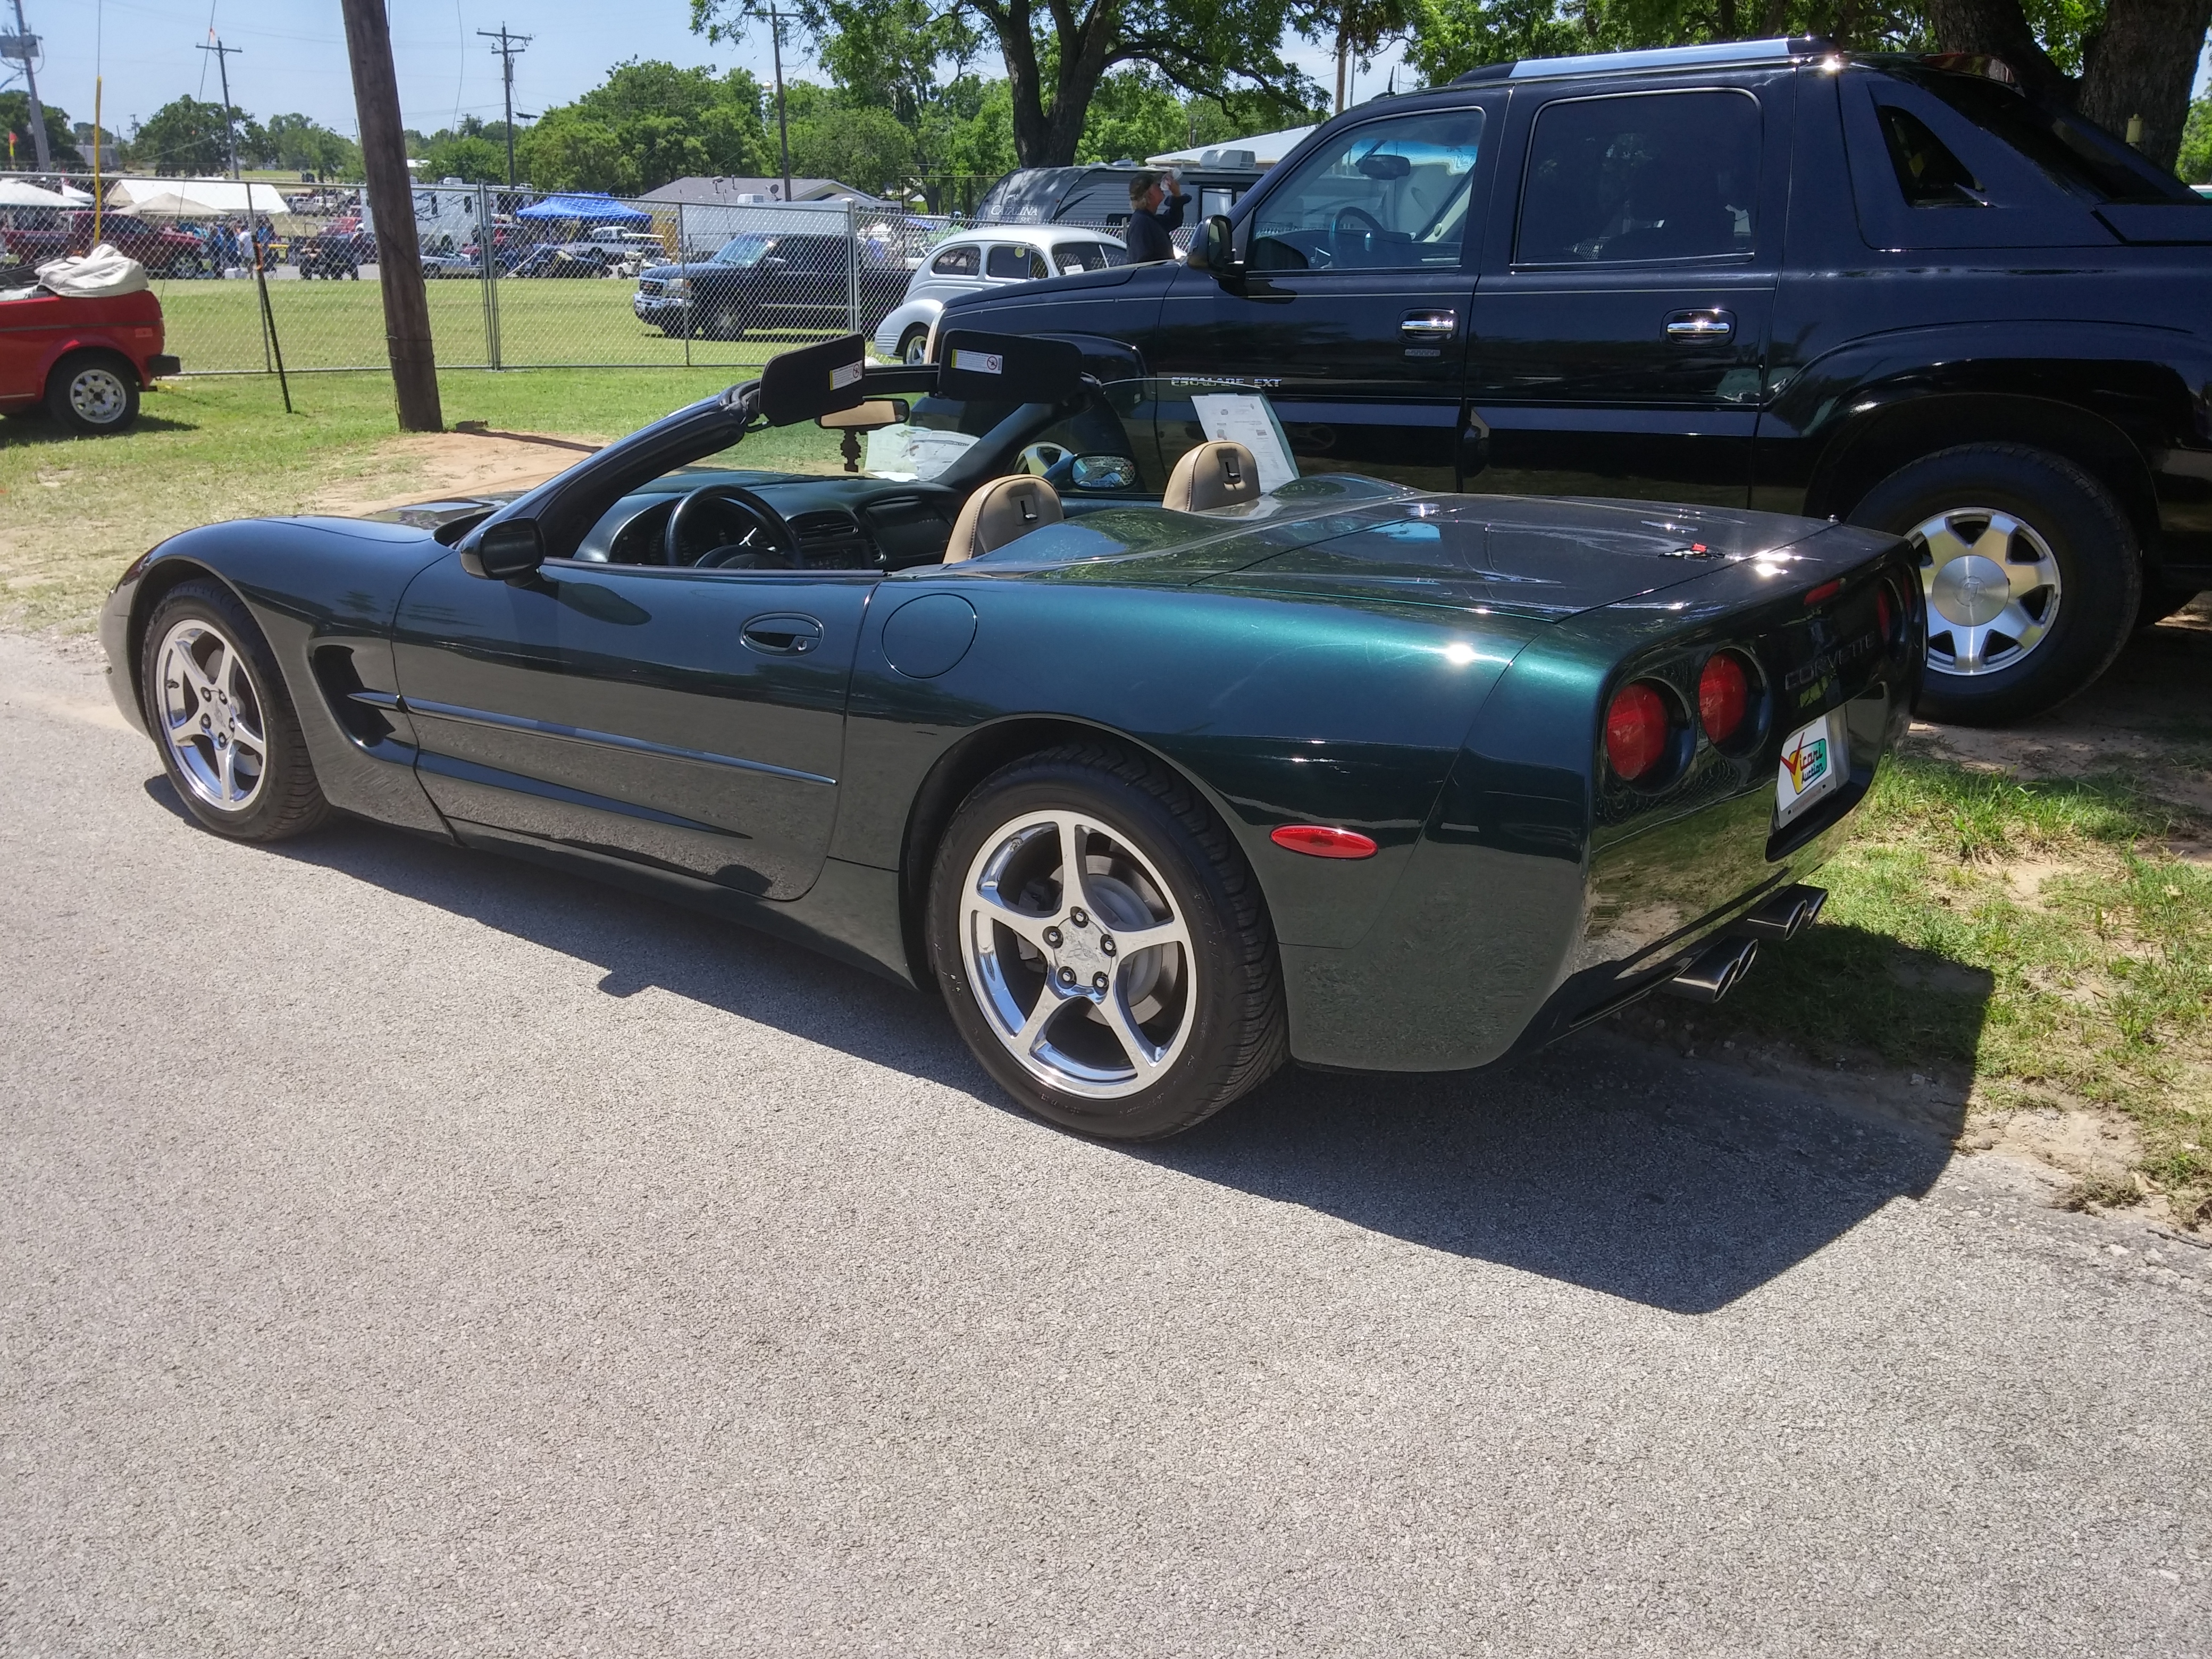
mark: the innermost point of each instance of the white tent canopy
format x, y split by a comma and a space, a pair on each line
1266, 148
193, 198
72, 194
15, 193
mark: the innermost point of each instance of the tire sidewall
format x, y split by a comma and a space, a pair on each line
1188, 1091
265, 818
2088, 536
65, 375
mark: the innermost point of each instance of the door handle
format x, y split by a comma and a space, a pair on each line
1701, 327
1429, 324
783, 635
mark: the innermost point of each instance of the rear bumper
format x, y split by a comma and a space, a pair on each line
161, 364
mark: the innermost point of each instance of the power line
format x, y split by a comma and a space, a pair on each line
509, 48
222, 56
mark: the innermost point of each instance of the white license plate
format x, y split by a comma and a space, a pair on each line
1815, 761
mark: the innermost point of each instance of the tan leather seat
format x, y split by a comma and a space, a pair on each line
1222, 473
1000, 511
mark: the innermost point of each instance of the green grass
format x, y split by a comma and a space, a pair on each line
74, 511
2026, 937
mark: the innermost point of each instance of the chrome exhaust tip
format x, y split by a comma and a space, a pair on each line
1787, 914
1714, 972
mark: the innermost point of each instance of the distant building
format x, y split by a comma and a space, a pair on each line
736, 192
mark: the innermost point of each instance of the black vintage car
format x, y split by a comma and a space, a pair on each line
756, 283
1763, 274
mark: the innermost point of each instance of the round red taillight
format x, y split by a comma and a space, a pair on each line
1635, 731
1723, 696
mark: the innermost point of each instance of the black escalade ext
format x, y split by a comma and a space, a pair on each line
1762, 274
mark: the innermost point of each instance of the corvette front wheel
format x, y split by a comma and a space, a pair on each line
1103, 946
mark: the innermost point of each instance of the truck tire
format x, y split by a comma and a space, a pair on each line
93, 393
2031, 572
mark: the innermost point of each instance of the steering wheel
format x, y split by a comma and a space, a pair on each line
763, 543
1373, 226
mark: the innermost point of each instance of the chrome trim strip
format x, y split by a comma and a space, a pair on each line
374, 699
611, 739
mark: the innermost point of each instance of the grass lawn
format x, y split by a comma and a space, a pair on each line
2022, 942
74, 511
340, 325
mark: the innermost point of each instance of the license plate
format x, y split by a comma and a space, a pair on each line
1815, 761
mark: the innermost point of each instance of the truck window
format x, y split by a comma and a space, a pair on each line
1388, 195
1670, 175
2075, 154
1928, 174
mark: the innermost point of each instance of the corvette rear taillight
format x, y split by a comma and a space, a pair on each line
1323, 841
1885, 611
1635, 731
1723, 696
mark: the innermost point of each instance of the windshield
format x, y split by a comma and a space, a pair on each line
744, 250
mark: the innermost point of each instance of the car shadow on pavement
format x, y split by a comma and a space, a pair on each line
1601, 1162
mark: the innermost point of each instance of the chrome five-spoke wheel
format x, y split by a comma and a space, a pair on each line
1993, 587
1080, 962
211, 716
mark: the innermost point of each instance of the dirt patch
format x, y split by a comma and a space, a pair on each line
441, 464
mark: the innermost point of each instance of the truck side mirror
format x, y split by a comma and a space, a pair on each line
1214, 247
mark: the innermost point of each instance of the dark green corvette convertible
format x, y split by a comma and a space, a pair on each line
1162, 763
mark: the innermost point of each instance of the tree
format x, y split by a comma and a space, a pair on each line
1359, 27
1057, 54
299, 144
186, 137
61, 135
832, 137
2196, 162
650, 123
466, 157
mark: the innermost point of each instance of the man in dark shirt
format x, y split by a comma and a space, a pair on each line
1146, 237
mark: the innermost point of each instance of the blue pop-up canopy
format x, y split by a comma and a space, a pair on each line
591, 208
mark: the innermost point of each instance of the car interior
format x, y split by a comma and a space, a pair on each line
948, 475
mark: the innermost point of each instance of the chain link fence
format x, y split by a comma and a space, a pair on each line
515, 279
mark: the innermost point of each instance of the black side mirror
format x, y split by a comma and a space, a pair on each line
1214, 247
502, 551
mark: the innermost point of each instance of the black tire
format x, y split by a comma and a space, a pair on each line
93, 393
1219, 1006
286, 800
912, 342
2088, 612
727, 321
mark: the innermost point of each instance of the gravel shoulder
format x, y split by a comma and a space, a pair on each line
407, 1251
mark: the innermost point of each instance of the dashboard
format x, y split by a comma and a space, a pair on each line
837, 523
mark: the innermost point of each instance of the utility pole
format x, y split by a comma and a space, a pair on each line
391, 203
505, 51
222, 57
783, 126
28, 43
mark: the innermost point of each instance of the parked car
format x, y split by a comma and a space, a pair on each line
334, 253
1766, 274
977, 261
1156, 796
69, 230
569, 260
1099, 195
759, 284
85, 360
450, 265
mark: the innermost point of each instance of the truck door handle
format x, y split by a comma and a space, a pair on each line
1429, 324
783, 635
1701, 327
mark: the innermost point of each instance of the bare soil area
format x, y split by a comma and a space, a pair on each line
470, 461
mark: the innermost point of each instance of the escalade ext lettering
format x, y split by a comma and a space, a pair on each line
1768, 275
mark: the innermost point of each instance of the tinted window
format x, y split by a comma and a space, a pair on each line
1664, 176
1928, 174
2074, 153
957, 261
1386, 195
1015, 263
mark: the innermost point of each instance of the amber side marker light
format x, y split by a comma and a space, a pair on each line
1321, 841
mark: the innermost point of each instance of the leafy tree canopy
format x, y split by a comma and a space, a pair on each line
61, 135
649, 123
187, 137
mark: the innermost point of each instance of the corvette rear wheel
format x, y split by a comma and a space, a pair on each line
1103, 946
216, 705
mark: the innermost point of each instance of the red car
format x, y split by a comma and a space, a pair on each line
84, 359
163, 253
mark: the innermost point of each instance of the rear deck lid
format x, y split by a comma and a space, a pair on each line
1546, 560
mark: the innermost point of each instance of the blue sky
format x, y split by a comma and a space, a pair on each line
294, 54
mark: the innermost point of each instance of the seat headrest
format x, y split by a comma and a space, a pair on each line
1001, 511
1222, 473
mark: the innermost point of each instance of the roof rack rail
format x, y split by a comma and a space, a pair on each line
1718, 54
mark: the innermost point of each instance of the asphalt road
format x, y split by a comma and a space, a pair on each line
403, 1251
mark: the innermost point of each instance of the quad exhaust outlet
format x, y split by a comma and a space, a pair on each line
1715, 971
1785, 915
